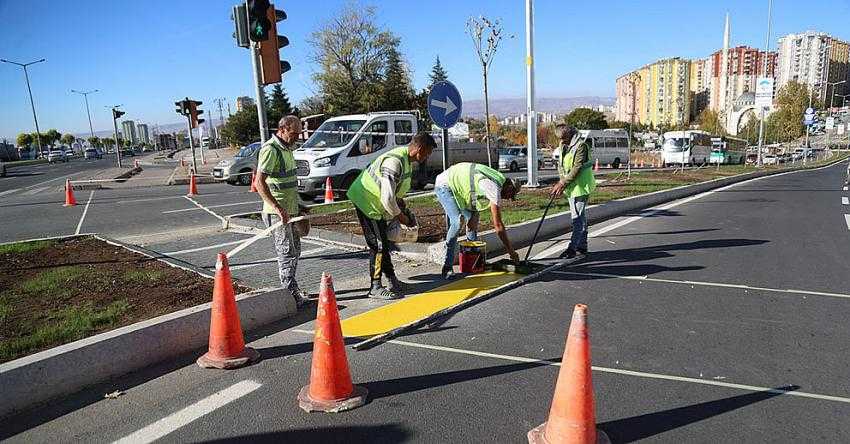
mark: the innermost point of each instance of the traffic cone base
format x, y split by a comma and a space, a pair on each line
70, 201
536, 436
247, 356
355, 399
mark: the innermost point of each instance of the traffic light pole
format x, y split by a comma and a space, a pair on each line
117, 148
261, 102
192, 145
201, 139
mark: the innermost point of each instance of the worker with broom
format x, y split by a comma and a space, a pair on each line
577, 182
465, 189
377, 195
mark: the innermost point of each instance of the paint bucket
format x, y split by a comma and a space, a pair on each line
473, 255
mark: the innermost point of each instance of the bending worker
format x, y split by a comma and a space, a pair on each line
577, 182
377, 195
465, 189
276, 183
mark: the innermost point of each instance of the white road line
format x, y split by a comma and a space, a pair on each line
712, 382
706, 284
214, 206
183, 417
211, 247
845, 200
8, 191
271, 260
85, 211
561, 246
35, 191
150, 199
161, 233
211, 212
847, 219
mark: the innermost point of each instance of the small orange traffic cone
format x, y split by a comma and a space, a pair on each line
227, 346
329, 191
330, 388
135, 163
69, 194
253, 187
596, 165
572, 416
193, 187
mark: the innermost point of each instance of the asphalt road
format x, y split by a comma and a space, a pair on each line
716, 318
36, 179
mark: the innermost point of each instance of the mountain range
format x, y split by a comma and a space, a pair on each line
513, 107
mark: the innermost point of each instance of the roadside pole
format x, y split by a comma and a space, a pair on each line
766, 49
445, 149
201, 139
191, 144
260, 95
117, 149
531, 134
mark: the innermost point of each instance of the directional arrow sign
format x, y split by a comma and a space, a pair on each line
444, 104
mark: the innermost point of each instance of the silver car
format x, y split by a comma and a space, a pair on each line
56, 156
238, 169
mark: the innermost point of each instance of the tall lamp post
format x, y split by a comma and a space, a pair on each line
85, 95
760, 162
32, 103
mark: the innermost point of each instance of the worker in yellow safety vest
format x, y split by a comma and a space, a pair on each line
465, 189
377, 195
576, 172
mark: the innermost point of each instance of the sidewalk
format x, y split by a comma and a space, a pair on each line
180, 175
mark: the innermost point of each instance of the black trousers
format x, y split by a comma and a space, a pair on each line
375, 232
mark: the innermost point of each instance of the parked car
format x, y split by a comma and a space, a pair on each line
238, 169
127, 152
56, 156
770, 159
93, 153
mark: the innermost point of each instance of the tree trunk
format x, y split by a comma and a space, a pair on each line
487, 119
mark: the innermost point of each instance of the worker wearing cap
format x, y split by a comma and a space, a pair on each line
576, 171
465, 189
377, 195
276, 184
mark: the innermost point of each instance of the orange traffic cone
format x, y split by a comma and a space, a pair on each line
572, 417
69, 194
596, 165
193, 187
330, 388
329, 191
253, 187
135, 163
227, 346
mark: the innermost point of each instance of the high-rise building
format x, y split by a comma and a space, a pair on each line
657, 94
745, 65
129, 131
816, 60
243, 102
144, 133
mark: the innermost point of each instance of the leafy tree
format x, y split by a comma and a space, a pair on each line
128, 142
51, 136
278, 105
311, 106
24, 140
352, 52
786, 122
241, 128
709, 121
108, 142
397, 92
438, 73
586, 118
68, 139
94, 141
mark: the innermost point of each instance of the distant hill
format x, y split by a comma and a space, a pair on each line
162, 129
513, 107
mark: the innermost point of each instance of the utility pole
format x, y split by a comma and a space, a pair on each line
116, 113
85, 95
259, 93
531, 134
219, 101
32, 103
766, 50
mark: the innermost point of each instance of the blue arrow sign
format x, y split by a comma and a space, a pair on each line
444, 104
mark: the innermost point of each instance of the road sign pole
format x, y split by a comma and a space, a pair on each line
531, 131
201, 138
117, 148
260, 95
191, 144
445, 149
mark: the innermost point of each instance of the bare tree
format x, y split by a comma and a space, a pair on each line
486, 35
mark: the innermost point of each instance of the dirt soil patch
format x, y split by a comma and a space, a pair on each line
58, 291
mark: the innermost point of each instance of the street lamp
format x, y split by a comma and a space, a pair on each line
32, 104
85, 95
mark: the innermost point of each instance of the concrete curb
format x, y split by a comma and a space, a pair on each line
69, 368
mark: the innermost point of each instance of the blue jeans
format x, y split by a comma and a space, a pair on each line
453, 213
578, 240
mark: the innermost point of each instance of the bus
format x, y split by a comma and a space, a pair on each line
608, 147
686, 147
728, 150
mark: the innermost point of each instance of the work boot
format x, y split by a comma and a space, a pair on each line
582, 251
301, 297
569, 253
396, 286
447, 272
379, 292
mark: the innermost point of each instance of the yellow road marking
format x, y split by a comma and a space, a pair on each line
407, 310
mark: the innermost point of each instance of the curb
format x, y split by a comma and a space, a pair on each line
69, 368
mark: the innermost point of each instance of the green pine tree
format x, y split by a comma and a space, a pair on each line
438, 73
397, 90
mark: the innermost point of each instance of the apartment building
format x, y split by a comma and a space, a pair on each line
816, 60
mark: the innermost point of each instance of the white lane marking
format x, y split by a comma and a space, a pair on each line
214, 206
706, 284
35, 191
161, 233
213, 213
85, 211
271, 260
150, 199
847, 219
844, 189
712, 382
183, 417
845, 200
561, 246
8, 191
211, 247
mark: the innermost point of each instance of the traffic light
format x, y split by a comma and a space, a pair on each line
271, 67
116, 114
240, 21
258, 20
182, 107
194, 112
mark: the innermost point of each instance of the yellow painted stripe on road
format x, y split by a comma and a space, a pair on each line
407, 310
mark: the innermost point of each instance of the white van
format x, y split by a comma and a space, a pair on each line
343, 146
609, 147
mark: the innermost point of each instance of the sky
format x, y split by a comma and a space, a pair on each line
145, 55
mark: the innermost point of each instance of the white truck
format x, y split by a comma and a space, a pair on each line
343, 146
